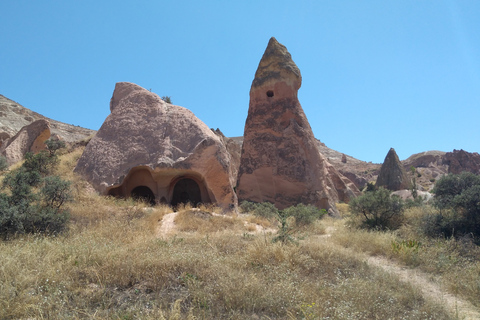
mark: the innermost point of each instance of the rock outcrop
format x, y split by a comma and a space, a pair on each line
14, 116
158, 151
30, 138
280, 162
461, 160
392, 174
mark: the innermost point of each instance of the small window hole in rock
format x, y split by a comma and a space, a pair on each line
270, 93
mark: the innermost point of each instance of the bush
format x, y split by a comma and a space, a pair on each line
304, 215
54, 145
457, 197
3, 163
379, 209
34, 201
264, 209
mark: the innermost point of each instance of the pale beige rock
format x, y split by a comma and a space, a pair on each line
280, 161
30, 138
161, 151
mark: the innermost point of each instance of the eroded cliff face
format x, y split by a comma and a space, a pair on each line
158, 151
280, 162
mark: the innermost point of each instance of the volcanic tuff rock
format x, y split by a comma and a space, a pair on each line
146, 146
14, 116
30, 138
280, 162
460, 160
392, 174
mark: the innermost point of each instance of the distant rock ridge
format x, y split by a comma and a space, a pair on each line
14, 117
461, 160
280, 161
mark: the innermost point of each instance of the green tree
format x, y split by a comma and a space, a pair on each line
378, 209
457, 196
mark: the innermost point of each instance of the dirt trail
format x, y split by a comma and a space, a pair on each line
167, 225
431, 290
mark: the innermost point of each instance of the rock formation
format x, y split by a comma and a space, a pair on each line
280, 162
158, 151
461, 160
392, 174
14, 116
30, 138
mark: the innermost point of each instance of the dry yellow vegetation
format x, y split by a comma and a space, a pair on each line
111, 264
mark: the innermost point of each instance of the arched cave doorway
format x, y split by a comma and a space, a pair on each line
143, 193
186, 191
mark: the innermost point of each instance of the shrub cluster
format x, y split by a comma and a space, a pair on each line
32, 199
457, 198
379, 209
303, 214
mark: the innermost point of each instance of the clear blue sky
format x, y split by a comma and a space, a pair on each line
376, 74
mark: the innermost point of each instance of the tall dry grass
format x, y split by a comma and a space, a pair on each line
455, 262
110, 265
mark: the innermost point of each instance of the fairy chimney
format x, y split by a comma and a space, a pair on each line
280, 162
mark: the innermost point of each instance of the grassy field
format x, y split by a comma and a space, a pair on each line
112, 264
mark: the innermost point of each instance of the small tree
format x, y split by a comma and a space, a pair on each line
167, 99
379, 209
457, 196
34, 201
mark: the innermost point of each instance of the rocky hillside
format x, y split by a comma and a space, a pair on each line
430, 165
14, 116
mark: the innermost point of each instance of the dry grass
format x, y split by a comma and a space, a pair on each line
455, 262
110, 265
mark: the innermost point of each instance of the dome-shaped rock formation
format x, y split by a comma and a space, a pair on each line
280, 162
392, 175
158, 151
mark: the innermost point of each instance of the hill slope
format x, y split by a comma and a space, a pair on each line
14, 116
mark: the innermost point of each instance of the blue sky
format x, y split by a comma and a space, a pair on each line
376, 74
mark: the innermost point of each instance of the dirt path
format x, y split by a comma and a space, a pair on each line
167, 226
431, 290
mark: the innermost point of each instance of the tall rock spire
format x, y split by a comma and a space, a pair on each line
392, 174
280, 162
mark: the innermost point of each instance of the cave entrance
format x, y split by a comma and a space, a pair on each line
143, 193
186, 191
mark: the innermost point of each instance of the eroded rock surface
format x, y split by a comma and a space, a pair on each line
280, 162
30, 138
158, 151
461, 160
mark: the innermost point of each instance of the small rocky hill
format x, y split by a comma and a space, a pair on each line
14, 116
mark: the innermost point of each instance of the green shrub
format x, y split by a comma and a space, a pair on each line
379, 209
54, 145
457, 197
263, 209
32, 201
3, 163
304, 214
